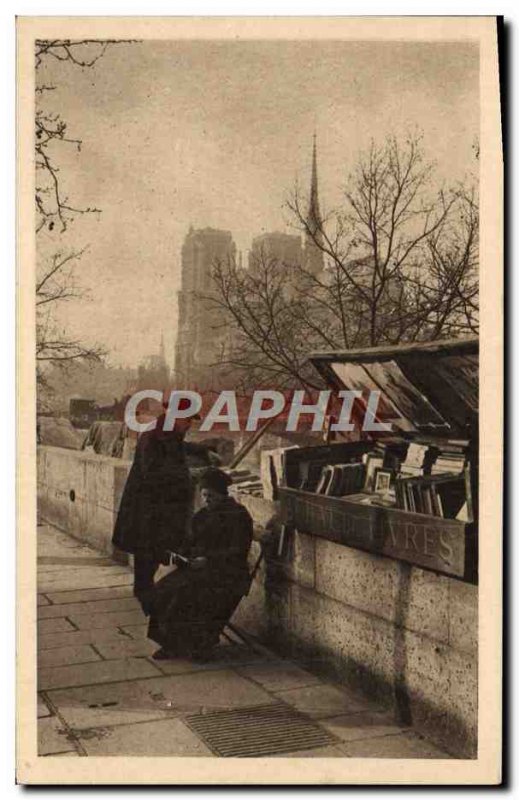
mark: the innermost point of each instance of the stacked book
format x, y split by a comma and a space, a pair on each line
245, 482
451, 459
311, 472
437, 496
338, 480
417, 461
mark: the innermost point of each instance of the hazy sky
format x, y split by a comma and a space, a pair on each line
215, 134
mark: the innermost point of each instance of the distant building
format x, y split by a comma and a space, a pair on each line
313, 255
288, 249
201, 337
284, 247
153, 372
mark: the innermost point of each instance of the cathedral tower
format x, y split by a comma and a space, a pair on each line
313, 255
201, 335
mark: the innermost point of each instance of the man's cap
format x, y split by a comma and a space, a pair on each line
215, 479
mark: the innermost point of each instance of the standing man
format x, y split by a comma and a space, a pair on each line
157, 502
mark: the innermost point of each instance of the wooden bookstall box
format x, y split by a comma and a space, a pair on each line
429, 393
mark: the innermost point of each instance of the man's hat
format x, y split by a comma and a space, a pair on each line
215, 479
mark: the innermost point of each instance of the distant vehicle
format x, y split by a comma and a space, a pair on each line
82, 412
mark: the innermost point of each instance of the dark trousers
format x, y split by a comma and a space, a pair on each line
144, 569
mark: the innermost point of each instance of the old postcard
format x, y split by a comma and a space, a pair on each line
260, 401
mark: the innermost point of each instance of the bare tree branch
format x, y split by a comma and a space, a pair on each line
401, 264
56, 281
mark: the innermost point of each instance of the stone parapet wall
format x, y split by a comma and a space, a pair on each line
400, 633
80, 492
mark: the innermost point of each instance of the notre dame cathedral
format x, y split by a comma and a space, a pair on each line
203, 336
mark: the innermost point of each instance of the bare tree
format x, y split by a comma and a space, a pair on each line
269, 323
375, 244
56, 280
401, 264
448, 289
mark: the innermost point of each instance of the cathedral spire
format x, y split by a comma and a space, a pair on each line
313, 254
314, 213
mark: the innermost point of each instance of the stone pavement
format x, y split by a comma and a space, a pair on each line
101, 694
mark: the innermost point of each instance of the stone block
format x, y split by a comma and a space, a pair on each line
424, 666
279, 675
182, 666
43, 709
84, 580
74, 638
302, 565
99, 483
427, 607
401, 745
93, 479
99, 526
77, 522
96, 672
463, 689
207, 689
317, 752
119, 482
351, 639
89, 607
135, 631
278, 606
65, 469
42, 600
352, 727
301, 624
53, 505
160, 738
53, 737
126, 648
106, 704
110, 619
61, 656
54, 625
82, 569
321, 701
251, 614
86, 595
44, 570
261, 509
463, 616
364, 581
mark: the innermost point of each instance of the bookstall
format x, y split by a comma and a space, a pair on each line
411, 493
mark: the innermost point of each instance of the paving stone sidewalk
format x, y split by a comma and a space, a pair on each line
101, 694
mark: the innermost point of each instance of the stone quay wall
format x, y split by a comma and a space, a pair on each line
399, 633
80, 492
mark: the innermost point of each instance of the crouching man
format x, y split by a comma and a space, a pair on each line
191, 605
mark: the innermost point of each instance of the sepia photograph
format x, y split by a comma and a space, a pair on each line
258, 471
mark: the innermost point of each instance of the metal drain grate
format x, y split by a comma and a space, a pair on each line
258, 731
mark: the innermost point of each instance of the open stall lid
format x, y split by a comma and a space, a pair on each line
430, 388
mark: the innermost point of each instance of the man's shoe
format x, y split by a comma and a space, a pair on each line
162, 655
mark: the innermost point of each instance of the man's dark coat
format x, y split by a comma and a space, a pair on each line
191, 607
157, 499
